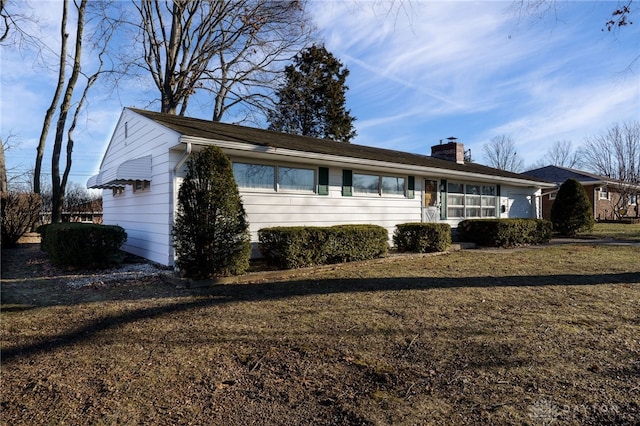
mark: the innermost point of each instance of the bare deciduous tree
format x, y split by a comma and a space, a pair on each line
620, 14
561, 154
615, 153
501, 153
230, 48
63, 98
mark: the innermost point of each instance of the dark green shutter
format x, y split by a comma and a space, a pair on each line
347, 183
443, 199
323, 181
411, 187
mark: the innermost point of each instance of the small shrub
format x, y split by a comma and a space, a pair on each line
571, 212
19, 212
211, 233
299, 246
422, 237
505, 232
348, 243
82, 244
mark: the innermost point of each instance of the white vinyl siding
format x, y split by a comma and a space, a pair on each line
266, 209
145, 214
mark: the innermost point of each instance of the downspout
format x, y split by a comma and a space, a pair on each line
183, 159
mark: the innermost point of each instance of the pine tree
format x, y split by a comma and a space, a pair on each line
312, 99
211, 233
571, 211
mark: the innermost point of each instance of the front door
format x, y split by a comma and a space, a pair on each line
430, 207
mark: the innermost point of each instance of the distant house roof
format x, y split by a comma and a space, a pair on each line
234, 133
559, 175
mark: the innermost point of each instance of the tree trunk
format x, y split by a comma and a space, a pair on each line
3, 171
50, 111
58, 185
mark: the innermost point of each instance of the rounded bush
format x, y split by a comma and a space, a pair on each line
571, 212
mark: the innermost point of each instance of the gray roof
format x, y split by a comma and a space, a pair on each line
235, 133
559, 175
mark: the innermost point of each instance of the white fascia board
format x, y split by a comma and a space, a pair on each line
249, 150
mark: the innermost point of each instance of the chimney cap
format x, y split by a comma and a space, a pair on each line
452, 138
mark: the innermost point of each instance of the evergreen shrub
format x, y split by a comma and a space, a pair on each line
83, 245
298, 246
571, 211
211, 233
505, 232
422, 237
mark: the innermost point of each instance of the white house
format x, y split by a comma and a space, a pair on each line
294, 180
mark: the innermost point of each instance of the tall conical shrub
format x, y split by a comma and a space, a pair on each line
571, 212
211, 233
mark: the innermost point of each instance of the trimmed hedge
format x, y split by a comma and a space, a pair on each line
422, 237
82, 244
298, 246
505, 232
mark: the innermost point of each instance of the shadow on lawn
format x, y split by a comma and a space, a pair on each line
280, 290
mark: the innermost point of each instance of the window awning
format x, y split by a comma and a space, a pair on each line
125, 174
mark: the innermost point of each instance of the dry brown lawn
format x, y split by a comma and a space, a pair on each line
526, 336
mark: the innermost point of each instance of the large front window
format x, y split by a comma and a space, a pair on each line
254, 176
263, 176
470, 200
390, 186
291, 178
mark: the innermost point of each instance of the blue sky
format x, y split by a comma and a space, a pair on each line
419, 73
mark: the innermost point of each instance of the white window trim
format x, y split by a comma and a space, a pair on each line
466, 206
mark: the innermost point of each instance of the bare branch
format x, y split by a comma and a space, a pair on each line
501, 153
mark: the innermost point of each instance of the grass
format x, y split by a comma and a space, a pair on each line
526, 336
619, 231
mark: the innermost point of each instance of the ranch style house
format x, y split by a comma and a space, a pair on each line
291, 180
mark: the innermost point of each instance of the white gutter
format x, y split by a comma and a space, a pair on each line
247, 148
185, 155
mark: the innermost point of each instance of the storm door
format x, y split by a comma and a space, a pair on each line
430, 207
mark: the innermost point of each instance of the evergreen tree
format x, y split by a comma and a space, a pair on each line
312, 99
571, 212
211, 233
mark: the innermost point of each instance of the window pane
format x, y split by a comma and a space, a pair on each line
488, 212
455, 200
290, 178
488, 201
455, 212
488, 190
473, 189
455, 187
393, 185
365, 184
473, 200
254, 175
473, 212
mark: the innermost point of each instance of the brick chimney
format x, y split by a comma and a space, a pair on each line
450, 151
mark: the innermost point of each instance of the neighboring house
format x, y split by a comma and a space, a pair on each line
295, 180
610, 199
